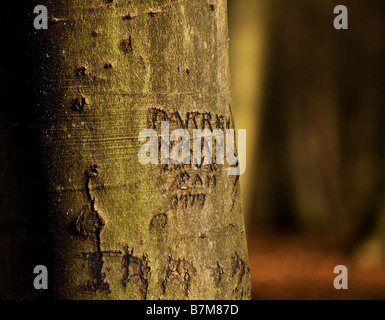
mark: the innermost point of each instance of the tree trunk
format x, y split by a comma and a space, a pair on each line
102, 72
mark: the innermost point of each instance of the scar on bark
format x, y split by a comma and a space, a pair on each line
130, 16
158, 223
143, 60
80, 104
95, 33
238, 267
137, 271
126, 45
180, 269
83, 225
154, 12
81, 72
217, 273
53, 20
88, 225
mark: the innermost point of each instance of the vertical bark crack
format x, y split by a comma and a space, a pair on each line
88, 225
99, 283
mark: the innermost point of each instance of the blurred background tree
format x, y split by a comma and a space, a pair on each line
312, 101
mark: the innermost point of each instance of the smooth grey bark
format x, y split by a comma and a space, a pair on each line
103, 71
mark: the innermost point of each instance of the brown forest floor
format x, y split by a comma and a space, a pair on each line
299, 268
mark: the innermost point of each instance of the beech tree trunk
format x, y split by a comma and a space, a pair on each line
107, 226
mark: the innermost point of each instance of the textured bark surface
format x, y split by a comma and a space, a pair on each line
103, 71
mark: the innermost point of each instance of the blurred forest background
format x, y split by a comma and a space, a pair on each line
312, 99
